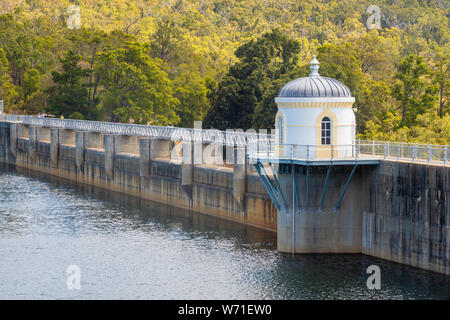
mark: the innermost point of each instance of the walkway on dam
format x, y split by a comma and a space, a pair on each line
361, 159
362, 152
262, 146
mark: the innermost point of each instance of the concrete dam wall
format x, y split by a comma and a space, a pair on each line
141, 167
397, 211
408, 219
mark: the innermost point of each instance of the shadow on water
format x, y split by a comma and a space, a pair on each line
230, 260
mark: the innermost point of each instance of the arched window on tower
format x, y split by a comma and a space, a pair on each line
280, 130
326, 131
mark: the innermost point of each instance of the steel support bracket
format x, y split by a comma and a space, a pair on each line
338, 205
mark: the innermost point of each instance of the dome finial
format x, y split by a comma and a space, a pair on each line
314, 66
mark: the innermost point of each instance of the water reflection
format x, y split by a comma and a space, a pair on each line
132, 248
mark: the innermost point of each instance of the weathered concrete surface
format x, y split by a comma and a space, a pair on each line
408, 220
6, 150
140, 167
322, 230
395, 211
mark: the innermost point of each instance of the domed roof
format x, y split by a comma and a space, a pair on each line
314, 86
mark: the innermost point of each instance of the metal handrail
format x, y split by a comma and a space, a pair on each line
364, 149
233, 138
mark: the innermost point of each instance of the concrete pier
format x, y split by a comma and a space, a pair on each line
239, 176
144, 157
319, 226
32, 142
54, 147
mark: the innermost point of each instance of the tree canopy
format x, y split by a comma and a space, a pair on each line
261, 62
173, 62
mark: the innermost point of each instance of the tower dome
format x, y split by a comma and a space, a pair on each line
314, 86
316, 111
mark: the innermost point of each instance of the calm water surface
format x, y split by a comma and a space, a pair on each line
133, 249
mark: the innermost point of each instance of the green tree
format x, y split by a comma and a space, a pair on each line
17, 46
8, 91
260, 63
135, 86
192, 91
441, 78
164, 42
31, 84
4, 66
87, 43
70, 92
412, 89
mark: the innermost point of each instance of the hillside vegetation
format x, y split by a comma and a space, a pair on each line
170, 62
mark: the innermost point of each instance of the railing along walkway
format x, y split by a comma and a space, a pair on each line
362, 151
232, 137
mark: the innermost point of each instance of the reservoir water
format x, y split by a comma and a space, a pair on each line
127, 248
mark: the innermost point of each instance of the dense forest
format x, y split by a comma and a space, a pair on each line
170, 62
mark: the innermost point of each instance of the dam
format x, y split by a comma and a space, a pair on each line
392, 208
